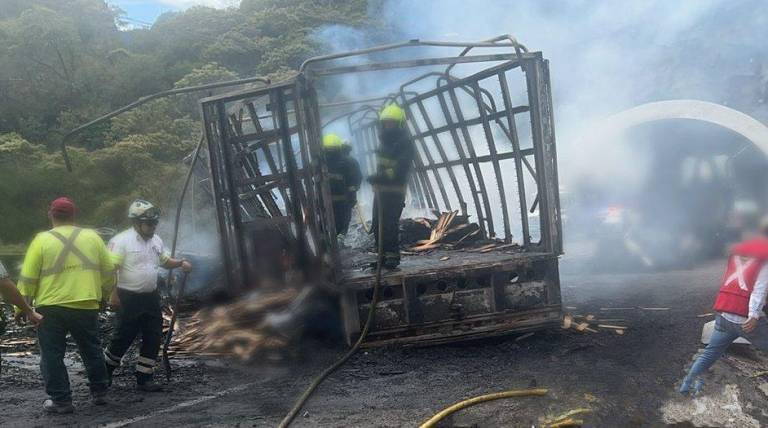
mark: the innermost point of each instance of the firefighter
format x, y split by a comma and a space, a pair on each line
739, 306
63, 273
394, 164
344, 179
138, 253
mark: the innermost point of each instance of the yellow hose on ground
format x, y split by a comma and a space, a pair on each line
570, 422
431, 422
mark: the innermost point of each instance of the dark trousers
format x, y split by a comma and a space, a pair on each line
342, 213
392, 207
139, 313
83, 325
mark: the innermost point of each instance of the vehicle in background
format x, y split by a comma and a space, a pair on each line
700, 194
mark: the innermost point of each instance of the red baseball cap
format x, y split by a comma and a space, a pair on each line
63, 206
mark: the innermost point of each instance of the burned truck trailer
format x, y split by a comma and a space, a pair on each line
481, 121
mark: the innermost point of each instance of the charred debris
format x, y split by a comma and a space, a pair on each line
481, 228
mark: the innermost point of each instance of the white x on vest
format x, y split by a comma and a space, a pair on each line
738, 275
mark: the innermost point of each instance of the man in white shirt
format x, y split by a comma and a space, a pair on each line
739, 305
139, 254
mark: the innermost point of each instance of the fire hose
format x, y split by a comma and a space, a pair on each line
368, 322
171, 325
180, 293
431, 422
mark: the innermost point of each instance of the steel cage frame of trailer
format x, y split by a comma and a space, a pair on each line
268, 170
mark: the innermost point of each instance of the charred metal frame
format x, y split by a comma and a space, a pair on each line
475, 296
242, 129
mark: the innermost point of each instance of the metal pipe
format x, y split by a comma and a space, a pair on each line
352, 102
430, 197
518, 158
410, 43
443, 156
378, 66
547, 89
267, 151
511, 38
296, 204
350, 114
310, 144
495, 161
177, 219
146, 99
428, 155
473, 156
452, 126
266, 203
537, 134
464, 162
496, 117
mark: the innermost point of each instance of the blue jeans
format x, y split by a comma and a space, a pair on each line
83, 325
724, 334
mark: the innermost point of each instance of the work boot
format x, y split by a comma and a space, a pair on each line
99, 398
58, 407
144, 382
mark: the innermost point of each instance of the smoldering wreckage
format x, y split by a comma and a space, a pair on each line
480, 237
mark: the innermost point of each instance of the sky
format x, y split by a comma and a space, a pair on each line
145, 12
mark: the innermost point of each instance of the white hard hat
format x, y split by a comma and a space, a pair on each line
143, 210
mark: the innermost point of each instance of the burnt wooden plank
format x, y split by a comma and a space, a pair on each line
429, 266
453, 331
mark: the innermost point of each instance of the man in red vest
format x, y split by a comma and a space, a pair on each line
739, 305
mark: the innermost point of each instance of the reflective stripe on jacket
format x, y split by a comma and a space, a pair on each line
66, 266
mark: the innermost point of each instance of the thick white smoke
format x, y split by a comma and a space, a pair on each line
605, 57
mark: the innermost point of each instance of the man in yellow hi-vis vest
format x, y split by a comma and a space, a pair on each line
63, 273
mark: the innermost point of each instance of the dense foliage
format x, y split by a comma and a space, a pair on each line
64, 62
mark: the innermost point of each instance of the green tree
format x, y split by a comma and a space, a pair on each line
65, 62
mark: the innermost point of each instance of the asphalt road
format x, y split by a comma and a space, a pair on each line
626, 380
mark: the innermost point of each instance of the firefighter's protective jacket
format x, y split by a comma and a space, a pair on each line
344, 176
394, 160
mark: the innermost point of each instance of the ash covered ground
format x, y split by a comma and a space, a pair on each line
627, 380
